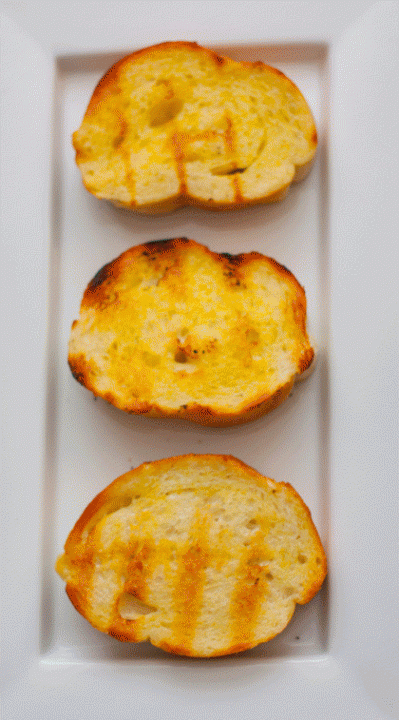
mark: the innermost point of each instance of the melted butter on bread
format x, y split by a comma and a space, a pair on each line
172, 329
177, 124
200, 554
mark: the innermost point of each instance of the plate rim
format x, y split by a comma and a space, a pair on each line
45, 53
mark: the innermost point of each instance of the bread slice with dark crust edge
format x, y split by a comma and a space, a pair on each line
172, 329
200, 554
177, 124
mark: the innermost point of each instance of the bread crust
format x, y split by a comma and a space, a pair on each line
108, 154
163, 264
84, 554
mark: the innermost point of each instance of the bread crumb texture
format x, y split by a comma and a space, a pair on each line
171, 329
176, 124
199, 554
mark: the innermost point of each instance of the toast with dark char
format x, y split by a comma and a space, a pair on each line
172, 329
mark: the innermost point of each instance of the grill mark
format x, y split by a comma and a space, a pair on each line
137, 571
123, 127
190, 587
179, 140
123, 150
229, 140
136, 563
246, 602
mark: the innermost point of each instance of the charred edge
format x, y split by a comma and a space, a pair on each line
77, 598
81, 372
306, 360
269, 402
101, 276
245, 258
154, 246
282, 267
205, 413
285, 271
110, 398
232, 267
278, 72
78, 370
314, 138
233, 259
139, 409
120, 631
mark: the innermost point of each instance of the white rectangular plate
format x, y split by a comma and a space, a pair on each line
333, 439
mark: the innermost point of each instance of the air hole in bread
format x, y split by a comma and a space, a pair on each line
131, 608
164, 111
288, 591
252, 524
227, 170
302, 558
180, 356
269, 576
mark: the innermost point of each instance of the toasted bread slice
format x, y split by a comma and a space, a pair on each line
176, 124
171, 329
200, 554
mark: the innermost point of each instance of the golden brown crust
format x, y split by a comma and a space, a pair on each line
143, 560
107, 308
111, 90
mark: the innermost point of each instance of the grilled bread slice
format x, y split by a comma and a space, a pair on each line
171, 329
176, 124
200, 554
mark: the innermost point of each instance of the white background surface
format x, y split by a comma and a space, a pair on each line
335, 439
